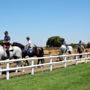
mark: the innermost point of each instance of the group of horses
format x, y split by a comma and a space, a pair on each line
17, 50
69, 49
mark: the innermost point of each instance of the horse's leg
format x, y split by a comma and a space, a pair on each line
42, 61
38, 61
17, 63
62, 53
60, 58
80, 56
27, 62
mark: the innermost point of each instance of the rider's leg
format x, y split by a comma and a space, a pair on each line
8, 54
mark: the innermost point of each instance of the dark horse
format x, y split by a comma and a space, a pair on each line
80, 49
36, 51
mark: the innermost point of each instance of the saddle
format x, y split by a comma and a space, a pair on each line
6, 44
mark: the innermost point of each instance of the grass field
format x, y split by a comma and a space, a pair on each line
71, 78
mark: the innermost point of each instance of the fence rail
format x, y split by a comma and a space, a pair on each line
85, 57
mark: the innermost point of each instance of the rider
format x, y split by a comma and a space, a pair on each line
64, 42
80, 45
80, 42
29, 44
6, 43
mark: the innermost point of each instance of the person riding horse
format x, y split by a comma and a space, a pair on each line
80, 48
6, 43
28, 46
31, 50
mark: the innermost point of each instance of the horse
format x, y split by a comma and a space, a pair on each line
65, 49
15, 53
80, 49
35, 51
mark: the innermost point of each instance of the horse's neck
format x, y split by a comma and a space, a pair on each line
19, 45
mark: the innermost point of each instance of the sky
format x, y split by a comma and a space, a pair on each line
41, 19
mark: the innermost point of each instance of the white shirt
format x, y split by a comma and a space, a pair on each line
29, 44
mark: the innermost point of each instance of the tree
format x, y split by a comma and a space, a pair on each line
1, 41
88, 45
54, 41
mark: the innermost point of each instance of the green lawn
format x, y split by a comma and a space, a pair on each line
71, 78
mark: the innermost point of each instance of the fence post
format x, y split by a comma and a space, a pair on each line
32, 63
7, 72
86, 57
65, 62
50, 63
16, 69
76, 60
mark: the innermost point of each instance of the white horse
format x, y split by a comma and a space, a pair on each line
66, 49
15, 52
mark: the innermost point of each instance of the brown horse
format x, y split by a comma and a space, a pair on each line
36, 51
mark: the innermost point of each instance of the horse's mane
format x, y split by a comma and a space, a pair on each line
18, 44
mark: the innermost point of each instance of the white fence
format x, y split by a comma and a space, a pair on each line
75, 60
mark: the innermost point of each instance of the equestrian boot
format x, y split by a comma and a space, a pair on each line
8, 54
